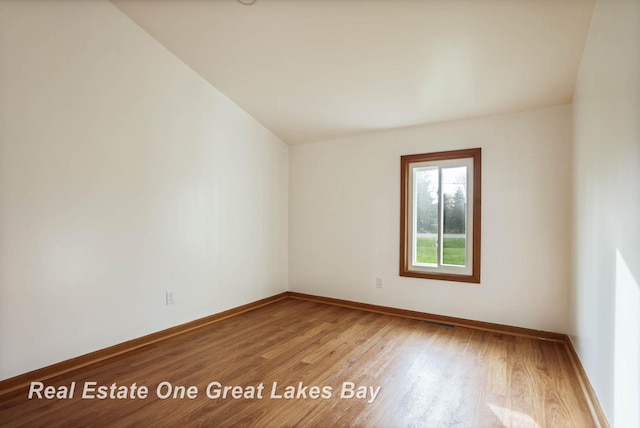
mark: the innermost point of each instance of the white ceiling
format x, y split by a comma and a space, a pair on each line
311, 70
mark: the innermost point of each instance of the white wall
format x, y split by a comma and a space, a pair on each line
122, 174
344, 219
606, 295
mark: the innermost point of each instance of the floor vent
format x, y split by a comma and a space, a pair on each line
439, 324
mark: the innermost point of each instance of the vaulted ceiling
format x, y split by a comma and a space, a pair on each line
312, 70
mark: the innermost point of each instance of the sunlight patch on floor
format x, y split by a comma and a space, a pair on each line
513, 418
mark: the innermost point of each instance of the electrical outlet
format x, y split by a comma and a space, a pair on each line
171, 297
379, 282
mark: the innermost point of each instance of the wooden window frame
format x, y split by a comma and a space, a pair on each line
405, 223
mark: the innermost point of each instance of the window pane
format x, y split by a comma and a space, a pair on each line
427, 224
454, 215
440, 215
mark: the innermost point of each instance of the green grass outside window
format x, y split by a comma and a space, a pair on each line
454, 251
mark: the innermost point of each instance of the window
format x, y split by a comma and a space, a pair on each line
440, 215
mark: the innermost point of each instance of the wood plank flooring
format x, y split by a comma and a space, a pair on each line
427, 375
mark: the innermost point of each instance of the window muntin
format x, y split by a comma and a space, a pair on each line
440, 216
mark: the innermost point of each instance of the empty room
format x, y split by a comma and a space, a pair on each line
318, 213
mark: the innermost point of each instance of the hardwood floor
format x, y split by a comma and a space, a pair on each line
405, 373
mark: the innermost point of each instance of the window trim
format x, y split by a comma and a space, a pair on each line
406, 236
